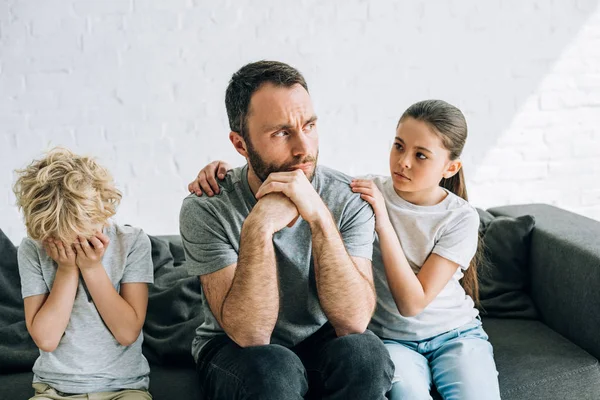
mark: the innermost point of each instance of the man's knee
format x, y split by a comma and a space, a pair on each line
365, 355
275, 372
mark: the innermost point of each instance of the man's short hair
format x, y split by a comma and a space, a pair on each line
64, 195
248, 80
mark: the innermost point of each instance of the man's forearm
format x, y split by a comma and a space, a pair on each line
346, 294
251, 307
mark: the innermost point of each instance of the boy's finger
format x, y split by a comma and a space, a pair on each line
53, 250
98, 245
78, 250
85, 246
103, 238
61, 250
69, 251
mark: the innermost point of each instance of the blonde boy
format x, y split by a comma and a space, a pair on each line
84, 281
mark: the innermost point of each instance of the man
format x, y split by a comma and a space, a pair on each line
283, 253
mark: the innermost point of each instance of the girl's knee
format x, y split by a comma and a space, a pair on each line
405, 389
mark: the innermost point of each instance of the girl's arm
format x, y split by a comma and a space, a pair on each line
47, 315
124, 313
411, 293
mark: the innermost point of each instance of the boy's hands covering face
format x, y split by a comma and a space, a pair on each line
62, 254
90, 251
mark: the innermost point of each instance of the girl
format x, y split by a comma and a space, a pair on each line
427, 236
427, 241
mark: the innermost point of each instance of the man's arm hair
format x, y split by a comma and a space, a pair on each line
344, 283
244, 297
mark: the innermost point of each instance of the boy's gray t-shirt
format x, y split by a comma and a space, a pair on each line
88, 357
449, 229
211, 228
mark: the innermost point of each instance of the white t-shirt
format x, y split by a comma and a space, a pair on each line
449, 229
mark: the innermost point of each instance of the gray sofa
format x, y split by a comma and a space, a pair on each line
553, 357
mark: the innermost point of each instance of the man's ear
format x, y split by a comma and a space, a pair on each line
238, 143
452, 169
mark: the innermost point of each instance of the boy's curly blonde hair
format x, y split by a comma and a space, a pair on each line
64, 195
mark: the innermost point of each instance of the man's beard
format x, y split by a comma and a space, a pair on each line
263, 169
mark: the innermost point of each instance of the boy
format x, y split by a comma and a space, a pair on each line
84, 281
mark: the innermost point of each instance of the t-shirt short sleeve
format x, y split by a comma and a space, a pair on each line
205, 242
458, 243
138, 265
30, 269
358, 228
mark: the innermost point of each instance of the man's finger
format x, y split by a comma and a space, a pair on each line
271, 187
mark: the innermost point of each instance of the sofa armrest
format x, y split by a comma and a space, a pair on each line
565, 271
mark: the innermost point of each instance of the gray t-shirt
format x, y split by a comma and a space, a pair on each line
88, 357
211, 228
449, 229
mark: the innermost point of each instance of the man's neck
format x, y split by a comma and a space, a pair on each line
253, 181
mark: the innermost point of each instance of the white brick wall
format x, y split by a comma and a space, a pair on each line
140, 84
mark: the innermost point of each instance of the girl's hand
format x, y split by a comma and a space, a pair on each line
205, 182
369, 192
90, 251
62, 254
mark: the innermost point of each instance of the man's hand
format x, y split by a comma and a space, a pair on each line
297, 188
90, 251
206, 182
62, 254
274, 212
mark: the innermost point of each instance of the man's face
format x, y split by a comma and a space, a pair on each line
282, 131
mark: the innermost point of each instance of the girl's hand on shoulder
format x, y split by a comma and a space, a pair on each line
62, 254
370, 193
90, 251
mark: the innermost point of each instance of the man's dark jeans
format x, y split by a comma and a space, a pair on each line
323, 366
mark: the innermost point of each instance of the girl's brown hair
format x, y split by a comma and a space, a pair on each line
449, 123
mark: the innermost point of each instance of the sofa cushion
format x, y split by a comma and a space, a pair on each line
16, 385
535, 362
174, 307
504, 278
18, 352
174, 383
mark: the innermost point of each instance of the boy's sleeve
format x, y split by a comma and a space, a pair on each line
459, 242
30, 270
206, 244
358, 228
138, 265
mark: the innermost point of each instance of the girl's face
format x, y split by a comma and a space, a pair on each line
419, 160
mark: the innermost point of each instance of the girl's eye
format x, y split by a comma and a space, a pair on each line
421, 156
398, 146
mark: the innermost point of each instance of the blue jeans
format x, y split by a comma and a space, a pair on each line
460, 363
